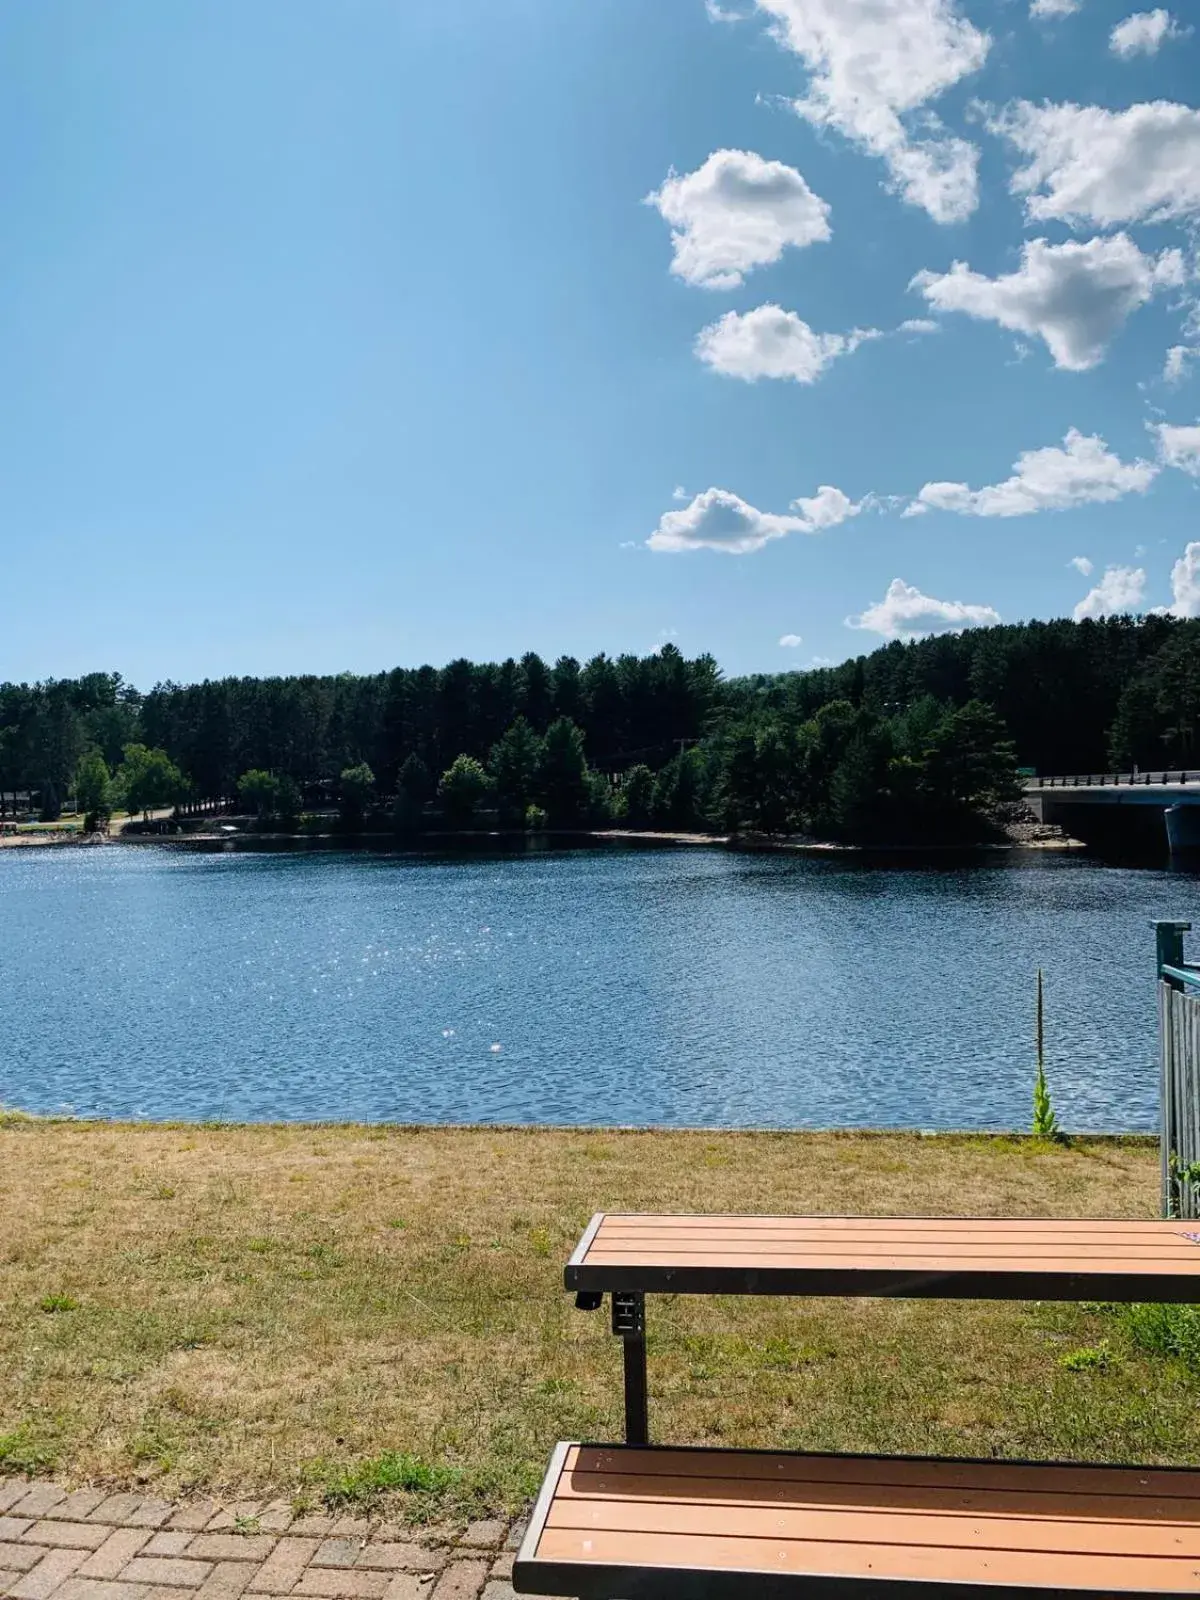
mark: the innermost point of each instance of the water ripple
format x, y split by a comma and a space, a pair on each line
686, 988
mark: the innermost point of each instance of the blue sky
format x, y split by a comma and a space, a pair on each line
342, 334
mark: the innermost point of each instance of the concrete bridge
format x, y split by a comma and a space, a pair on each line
1067, 800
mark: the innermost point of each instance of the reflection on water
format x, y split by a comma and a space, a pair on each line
678, 987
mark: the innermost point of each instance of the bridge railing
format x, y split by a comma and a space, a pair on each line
1179, 1050
1113, 780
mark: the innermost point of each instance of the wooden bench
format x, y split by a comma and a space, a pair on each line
708, 1524
622, 1522
944, 1258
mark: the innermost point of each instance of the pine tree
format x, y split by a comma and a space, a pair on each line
514, 764
414, 787
563, 775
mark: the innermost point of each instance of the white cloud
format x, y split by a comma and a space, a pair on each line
679, 492
871, 64
1142, 34
827, 508
1073, 296
1179, 446
1185, 584
1121, 589
719, 520
718, 13
919, 325
1179, 359
1083, 471
734, 213
940, 175
1082, 565
822, 661
791, 641
1090, 165
770, 342
904, 612
1053, 8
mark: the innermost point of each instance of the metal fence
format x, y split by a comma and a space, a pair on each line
1179, 1047
1116, 780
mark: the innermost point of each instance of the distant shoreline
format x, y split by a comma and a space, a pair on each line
746, 843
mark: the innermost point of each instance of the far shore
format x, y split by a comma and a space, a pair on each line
247, 838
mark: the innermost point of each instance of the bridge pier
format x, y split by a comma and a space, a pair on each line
1183, 828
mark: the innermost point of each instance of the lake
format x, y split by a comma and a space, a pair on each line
682, 987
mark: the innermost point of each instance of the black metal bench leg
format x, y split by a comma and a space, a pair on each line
629, 1324
637, 1413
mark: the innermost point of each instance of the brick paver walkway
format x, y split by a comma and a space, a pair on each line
92, 1545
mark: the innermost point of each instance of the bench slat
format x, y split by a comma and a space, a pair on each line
636, 1527
933, 1472
880, 1496
661, 1222
1131, 1244
983, 1569
853, 1524
973, 1257
1149, 1257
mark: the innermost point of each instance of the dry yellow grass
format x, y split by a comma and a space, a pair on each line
243, 1309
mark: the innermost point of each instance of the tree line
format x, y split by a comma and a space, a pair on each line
915, 740
1074, 696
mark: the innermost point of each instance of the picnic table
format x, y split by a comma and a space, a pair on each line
634, 1520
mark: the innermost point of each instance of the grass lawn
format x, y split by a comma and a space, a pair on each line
328, 1311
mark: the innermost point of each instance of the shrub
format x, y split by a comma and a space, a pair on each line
354, 794
636, 796
463, 788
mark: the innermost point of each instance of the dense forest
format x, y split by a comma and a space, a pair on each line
915, 740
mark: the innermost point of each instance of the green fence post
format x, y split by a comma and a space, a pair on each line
1169, 953
1169, 939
